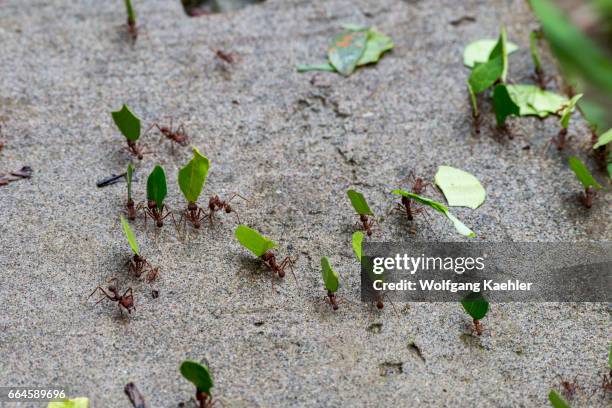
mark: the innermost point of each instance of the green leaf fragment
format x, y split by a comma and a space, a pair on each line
566, 112
130, 12
485, 75
331, 280
441, 208
582, 173
198, 375
478, 52
503, 105
346, 50
460, 188
359, 203
556, 400
192, 177
357, 241
253, 240
128, 123
128, 177
80, 402
475, 305
532, 100
533, 47
129, 234
324, 66
501, 51
157, 188
603, 139
376, 45
473, 100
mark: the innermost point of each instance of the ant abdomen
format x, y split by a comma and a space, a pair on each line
380, 304
281, 274
228, 209
160, 224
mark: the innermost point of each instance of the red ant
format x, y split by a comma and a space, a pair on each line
588, 197
366, 224
478, 327
228, 57
205, 400
152, 274
269, 260
178, 135
132, 29
419, 186
216, 204
155, 213
569, 388
331, 298
138, 264
606, 382
194, 214
135, 149
126, 300
560, 140
131, 209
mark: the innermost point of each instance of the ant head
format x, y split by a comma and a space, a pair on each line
380, 304
228, 208
140, 156
335, 306
192, 206
151, 204
160, 224
112, 288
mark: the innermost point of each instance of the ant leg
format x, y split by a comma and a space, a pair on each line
237, 195
96, 289
289, 262
392, 304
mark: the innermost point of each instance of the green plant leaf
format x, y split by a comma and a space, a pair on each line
129, 234
376, 45
331, 280
501, 51
533, 47
503, 105
324, 66
192, 177
485, 75
128, 123
157, 188
460, 188
475, 305
473, 100
439, 207
603, 139
357, 241
582, 173
359, 203
128, 177
556, 400
80, 402
253, 240
532, 100
198, 375
346, 50
478, 52
130, 12
566, 112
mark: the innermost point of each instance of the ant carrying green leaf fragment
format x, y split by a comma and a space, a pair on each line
355, 47
331, 281
157, 190
503, 105
131, 20
477, 307
129, 205
191, 179
556, 400
262, 247
479, 51
586, 178
362, 208
80, 402
129, 126
138, 264
533, 100
200, 377
566, 113
534, 37
406, 206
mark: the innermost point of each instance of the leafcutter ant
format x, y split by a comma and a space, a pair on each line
138, 264
606, 382
366, 224
24, 173
331, 298
178, 135
589, 196
269, 259
135, 149
419, 186
125, 301
561, 139
194, 214
155, 213
228, 57
477, 326
152, 274
569, 388
216, 204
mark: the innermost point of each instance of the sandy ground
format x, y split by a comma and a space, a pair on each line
292, 143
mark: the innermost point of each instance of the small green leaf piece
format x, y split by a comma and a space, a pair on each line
130, 12
503, 105
192, 177
532, 100
475, 305
582, 173
485, 75
324, 66
346, 50
556, 400
80, 402
533, 47
501, 51
478, 52
129, 174
253, 240
198, 375
441, 208
331, 280
359, 203
460, 188
157, 188
128, 123
473, 100
376, 45
357, 241
603, 139
566, 112
129, 234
